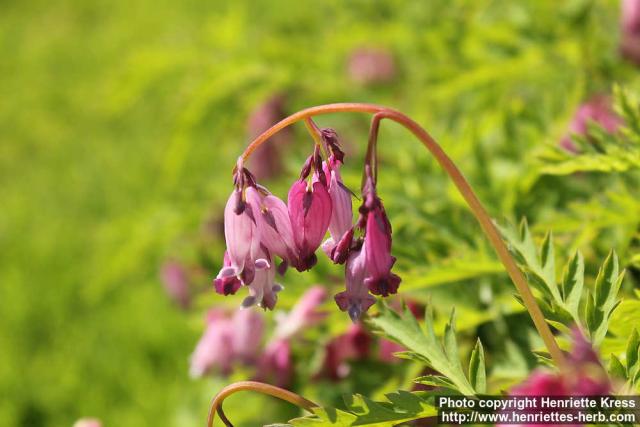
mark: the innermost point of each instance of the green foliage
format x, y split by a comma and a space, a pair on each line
602, 151
423, 346
561, 302
400, 406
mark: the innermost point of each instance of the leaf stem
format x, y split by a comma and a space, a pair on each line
461, 183
271, 390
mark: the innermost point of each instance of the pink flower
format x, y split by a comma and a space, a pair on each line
356, 299
248, 329
88, 422
227, 339
274, 226
304, 314
276, 365
341, 224
310, 213
215, 348
368, 66
176, 282
227, 285
597, 110
241, 235
380, 280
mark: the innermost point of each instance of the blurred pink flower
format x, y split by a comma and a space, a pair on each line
371, 65
630, 29
176, 282
276, 364
88, 422
387, 348
227, 339
597, 110
353, 345
304, 314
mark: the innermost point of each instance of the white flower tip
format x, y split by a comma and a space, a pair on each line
227, 272
248, 302
262, 264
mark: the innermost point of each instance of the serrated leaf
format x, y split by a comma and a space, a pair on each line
573, 284
435, 381
400, 407
404, 329
477, 370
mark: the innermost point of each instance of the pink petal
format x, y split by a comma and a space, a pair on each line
248, 331
238, 232
342, 213
310, 214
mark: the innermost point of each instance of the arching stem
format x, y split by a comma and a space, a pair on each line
461, 183
280, 393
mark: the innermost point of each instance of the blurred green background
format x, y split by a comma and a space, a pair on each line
121, 120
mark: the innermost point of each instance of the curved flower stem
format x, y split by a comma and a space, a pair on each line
280, 393
461, 183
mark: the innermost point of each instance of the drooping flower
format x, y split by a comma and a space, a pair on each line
341, 224
241, 234
377, 240
305, 313
356, 299
175, 279
310, 213
597, 110
88, 422
380, 280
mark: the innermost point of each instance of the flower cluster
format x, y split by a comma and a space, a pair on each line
260, 227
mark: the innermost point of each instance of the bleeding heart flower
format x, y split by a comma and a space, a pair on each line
240, 232
274, 225
341, 225
215, 348
356, 299
380, 280
310, 213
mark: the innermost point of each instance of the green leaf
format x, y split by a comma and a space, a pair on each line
633, 344
616, 368
573, 284
477, 371
605, 296
400, 407
423, 345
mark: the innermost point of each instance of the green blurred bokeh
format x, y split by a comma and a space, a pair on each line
120, 122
